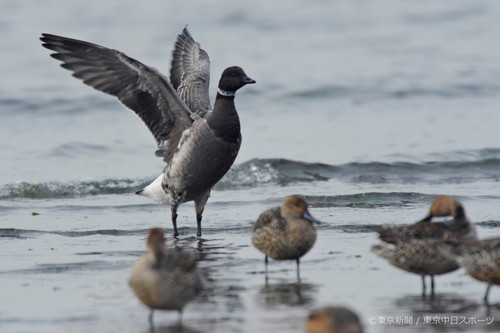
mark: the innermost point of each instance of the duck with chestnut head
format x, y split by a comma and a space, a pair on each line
458, 227
333, 319
415, 248
286, 232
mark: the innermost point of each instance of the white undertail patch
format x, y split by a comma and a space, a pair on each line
155, 191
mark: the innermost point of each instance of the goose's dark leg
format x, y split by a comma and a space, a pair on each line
199, 206
432, 286
198, 225
174, 220
485, 298
423, 286
298, 269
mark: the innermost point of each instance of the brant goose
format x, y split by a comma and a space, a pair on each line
165, 279
286, 232
415, 248
199, 144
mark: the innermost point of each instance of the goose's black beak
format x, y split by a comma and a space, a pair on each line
249, 80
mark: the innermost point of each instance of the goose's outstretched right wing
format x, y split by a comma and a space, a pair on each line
137, 86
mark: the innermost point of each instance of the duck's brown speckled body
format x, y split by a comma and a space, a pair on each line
165, 279
415, 248
481, 260
286, 232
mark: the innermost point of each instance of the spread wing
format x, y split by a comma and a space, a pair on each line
190, 73
137, 86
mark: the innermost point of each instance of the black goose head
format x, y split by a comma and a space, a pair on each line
232, 79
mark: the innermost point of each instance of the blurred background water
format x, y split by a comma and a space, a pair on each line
368, 108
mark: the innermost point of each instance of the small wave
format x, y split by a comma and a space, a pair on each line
70, 189
451, 91
467, 155
351, 228
258, 172
262, 172
54, 106
274, 171
377, 93
90, 266
490, 224
370, 200
328, 92
27, 233
76, 148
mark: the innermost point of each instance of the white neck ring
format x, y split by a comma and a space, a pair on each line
226, 93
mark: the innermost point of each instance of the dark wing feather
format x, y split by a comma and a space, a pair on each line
425, 230
190, 73
137, 86
405, 233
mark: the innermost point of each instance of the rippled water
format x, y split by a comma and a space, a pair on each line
368, 108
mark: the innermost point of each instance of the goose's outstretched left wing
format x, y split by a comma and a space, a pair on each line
190, 73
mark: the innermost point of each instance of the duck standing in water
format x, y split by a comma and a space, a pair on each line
165, 279
199, 144
286, 232
333, 320
415, 248
481, 260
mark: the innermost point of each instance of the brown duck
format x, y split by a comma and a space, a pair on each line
286, 232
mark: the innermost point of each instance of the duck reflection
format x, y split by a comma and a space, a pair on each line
177, 328
291, 294
440, 303
444, 311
